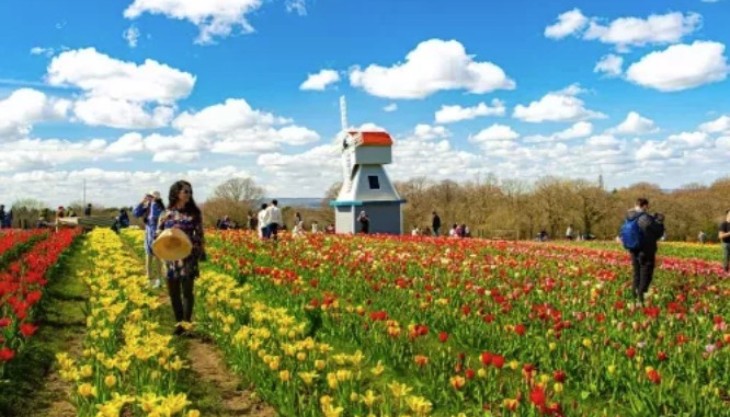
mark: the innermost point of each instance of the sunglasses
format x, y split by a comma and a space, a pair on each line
186, 191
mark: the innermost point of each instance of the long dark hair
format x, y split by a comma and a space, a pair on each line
190, 208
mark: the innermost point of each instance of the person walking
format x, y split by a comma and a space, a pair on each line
724, 236
569, 232
639, 235
702, 237
364, 221
275, 219
263, 221
87, 210
435, 223
182, 213
149, 210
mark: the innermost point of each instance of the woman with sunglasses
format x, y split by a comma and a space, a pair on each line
184, 214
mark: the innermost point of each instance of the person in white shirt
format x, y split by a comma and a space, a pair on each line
275, 219
263, 222
415, 231
315, 227
569, 232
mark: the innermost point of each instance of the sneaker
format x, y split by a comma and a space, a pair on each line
179, 331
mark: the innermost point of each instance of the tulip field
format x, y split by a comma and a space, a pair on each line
345, 326
413, 326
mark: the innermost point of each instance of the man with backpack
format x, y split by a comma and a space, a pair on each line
639, 235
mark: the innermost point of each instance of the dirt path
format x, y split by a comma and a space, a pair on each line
207, 363
210, 385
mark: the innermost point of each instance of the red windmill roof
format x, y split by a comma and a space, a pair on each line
375, 138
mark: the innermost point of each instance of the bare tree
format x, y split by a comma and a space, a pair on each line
239, 190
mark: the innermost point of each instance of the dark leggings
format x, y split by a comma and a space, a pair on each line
643, 263
182, 298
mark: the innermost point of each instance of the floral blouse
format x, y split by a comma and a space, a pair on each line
188, 267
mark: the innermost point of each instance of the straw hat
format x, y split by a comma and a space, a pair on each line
172, 245
155, 194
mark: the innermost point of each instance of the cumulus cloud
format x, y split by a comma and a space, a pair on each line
390, 107
611, 65
576, 131
112, 187
27, 153
655, 29
452, 114
719, 125
495, 132
557, 106
625, 32
635, 124
234, 127
214, 18
681, 67
121, 114
100, 75
117, 93
25, 107
424, 132
568, 23
434, 65
320, 80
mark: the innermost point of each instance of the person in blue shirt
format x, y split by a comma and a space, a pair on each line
149, 210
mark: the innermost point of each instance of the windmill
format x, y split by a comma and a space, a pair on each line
365, 184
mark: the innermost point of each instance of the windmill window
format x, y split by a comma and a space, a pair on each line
374, 182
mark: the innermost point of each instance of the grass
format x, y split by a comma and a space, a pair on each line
61, 316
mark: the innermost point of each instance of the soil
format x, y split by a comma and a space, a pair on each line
207, 363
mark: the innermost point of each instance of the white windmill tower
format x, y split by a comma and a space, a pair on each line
365, 184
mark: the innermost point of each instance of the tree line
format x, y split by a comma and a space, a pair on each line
491, 208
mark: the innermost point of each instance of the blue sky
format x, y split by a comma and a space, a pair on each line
71, 104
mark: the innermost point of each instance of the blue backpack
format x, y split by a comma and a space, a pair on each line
631, 234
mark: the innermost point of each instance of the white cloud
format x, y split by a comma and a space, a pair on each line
656, 29
690, 139
214, 18
568, 23
112, 187
576, 131
131, 35
127, 144
120, 94
24, 107
680, 67
391, 107
635, 124
451, 114
297, 6
39, 50
653, 150
496, 132
557, 106
719, 125
100, 75
611, 65
424, 132
48, 153
234, 127
434, 65
121, 114
320, 80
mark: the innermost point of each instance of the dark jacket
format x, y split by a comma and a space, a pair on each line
436, 222
652, 229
